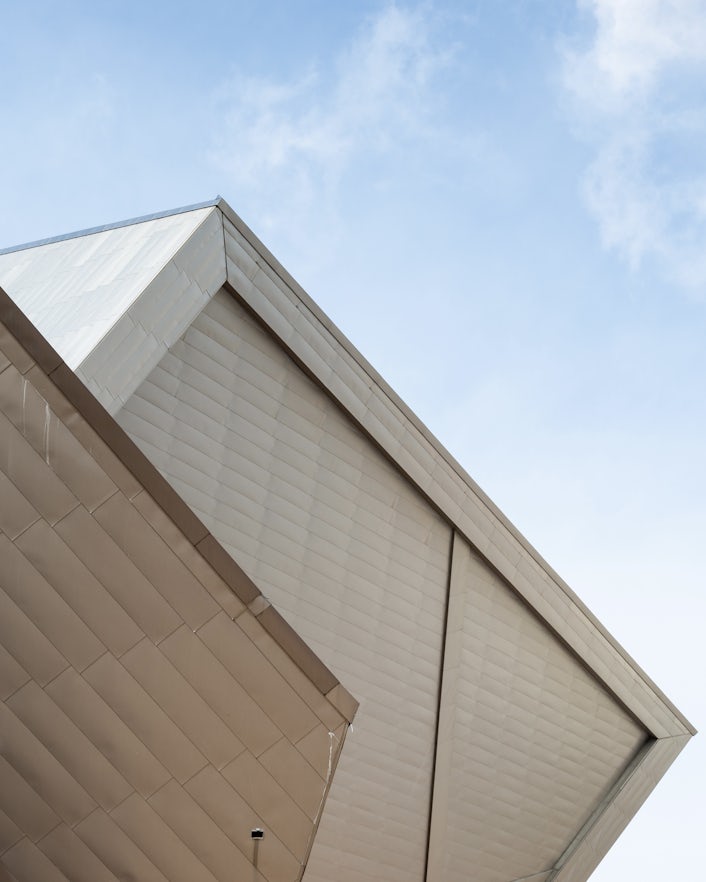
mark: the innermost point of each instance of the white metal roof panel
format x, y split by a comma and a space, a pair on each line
75, 289
158, 316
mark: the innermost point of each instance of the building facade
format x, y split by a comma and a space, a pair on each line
502, 733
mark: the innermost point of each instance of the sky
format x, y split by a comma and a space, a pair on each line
502, 205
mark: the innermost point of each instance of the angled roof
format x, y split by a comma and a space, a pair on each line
154, 708
597, 733
77, 287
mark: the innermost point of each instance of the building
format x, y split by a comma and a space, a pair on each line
502, 733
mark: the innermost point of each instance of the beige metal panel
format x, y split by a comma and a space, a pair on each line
47, 609
23, 805
189, 556
105, 470
32, 475
73, 857
26, 644
5, 874
530, 743
10, 833
206, 840
315, 747
155, 560
42, 771
27, 410
144, 716
159, 842
28, 864
107, 731
116, 850
293, 318
239, 655
236, 818
114, 570
158, 316
289, 767
65, 741
16, 513
160, 679
323, 707
71, 579
271, 801
13, 351
74, 290
12, 675
347, 550
221, 690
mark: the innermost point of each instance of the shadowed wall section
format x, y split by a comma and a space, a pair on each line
153, 707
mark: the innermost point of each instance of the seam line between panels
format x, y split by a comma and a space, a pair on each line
438, 699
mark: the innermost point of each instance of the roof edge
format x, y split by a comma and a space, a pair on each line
77, 234
626, 797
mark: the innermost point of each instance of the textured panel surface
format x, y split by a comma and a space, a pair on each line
74, 290
145, 725
641, 779
530, 743
346, 549
158, 317
291, 315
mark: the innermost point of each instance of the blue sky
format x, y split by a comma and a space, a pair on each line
502, 204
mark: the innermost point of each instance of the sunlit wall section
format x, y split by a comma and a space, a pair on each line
345, 547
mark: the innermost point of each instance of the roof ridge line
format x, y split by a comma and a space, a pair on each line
113, 226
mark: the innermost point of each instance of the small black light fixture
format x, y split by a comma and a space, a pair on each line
257, 833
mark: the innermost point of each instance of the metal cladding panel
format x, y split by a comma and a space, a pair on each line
344, 546
74, 290
530, 742
158, 316
149, 720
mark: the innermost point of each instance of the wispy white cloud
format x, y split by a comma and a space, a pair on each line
291, 143
637, 93
634, 44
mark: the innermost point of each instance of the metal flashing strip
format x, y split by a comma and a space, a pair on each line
631, 791
157, 215
599, 811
